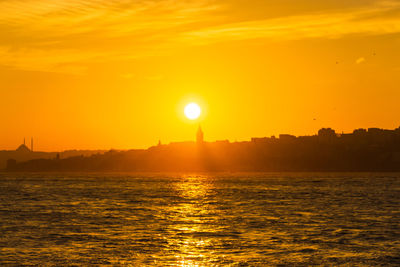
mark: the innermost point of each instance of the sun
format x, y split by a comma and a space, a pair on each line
192, 111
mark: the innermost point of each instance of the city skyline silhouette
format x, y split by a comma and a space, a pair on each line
371, 149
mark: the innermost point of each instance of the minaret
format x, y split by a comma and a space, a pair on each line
31, 144
24, 140
199, 136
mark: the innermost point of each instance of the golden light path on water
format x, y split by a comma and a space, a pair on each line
193, 189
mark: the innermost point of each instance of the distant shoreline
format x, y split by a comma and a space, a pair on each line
372, 150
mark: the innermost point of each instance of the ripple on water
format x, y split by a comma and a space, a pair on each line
202, 220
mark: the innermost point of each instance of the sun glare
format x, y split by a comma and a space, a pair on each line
192, 111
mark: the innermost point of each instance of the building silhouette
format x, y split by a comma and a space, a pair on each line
199, 136
23, 148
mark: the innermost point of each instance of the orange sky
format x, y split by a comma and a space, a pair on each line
102, 74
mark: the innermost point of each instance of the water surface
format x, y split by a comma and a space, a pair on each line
200, 220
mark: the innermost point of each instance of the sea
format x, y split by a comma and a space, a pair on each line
206, 219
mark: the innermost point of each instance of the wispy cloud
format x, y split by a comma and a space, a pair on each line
49, 35
371, 20
64, 35
360, 60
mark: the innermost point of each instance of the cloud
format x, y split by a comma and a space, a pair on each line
360, 60
364, 21
66, 35
154, 77
127, 75
54, 35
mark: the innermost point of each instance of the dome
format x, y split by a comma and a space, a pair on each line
23, 148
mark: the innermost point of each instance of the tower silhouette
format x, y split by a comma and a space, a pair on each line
32, 144
199, 136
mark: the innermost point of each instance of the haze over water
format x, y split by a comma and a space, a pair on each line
200, 220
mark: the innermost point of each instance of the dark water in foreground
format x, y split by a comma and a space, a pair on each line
200, 220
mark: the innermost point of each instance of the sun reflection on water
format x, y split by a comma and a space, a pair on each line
192, 216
